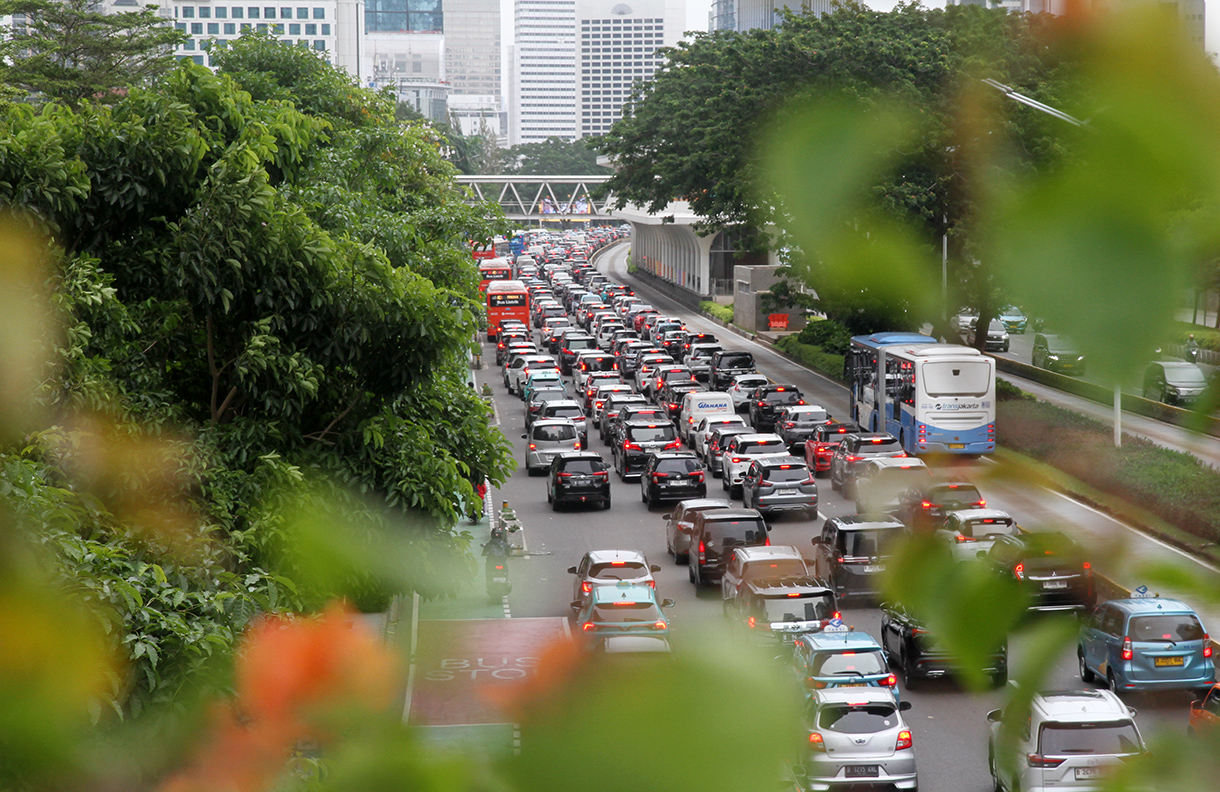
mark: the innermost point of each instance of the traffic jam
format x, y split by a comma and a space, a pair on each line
619, 398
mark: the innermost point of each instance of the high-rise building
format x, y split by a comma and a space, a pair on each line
472, 46
742, 15
1191, 14
211, 25
544, 65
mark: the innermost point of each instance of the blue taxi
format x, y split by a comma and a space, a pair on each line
840, 657
622, 609
1145, 643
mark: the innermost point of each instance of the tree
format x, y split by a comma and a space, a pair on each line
553, 157
68, 51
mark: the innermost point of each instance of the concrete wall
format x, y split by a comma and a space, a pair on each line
751, 284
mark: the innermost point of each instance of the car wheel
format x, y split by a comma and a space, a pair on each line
724, 481
835, 484
606, 504
690, 573
643, 494
995, 779
549, 497
909, 675
1112, 682
1086, 676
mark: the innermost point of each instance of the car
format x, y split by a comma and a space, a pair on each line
963, 319
639, 648
599, 568
613, 403
680, 522
692, 339
821, 444
853, 451
515, 366
667, 375
971, 531
857, 737
743, 449
841, 657
1066, 739
578, 477
754, 563
882, 482
779, 483
1205, 712
605, 334
851, 551
672, 340
1056, 353
776, 610
595, 400
548, 437
727, 365
632, 412
714, 534
796, 425
1049, 566
639, 439
546, 378
590, 362
1013, 319
767, 401
1146, 643
997, 337
670, 476
673, 396
540, 398
623, 609
646, 364
699, 359
595, 379
1174, 382
701, 423
570, 409
925, 506
717, 439
914, 649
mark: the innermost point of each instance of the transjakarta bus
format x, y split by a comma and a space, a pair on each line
506, 299
936, 398
494, 269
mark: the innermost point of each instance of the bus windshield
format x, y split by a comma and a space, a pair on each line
957, 378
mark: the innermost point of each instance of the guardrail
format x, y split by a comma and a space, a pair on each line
1177, 416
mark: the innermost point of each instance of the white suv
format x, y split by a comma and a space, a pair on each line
744, 449
1070, 740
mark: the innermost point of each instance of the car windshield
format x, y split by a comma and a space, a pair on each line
956, 495
786, 473
555, 432
1184, 375
957, 378
858, 718
760, 447
850, 663
1059, 346
618, 570
583, 466
987, 527
806, 607
626, 612
779, 567
1166, 627
868, 543
737, 532
1065, 739
651, 434
680, 466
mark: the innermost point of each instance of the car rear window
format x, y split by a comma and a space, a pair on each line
805, 417
786, 473
780, 567
651, 434
566, 411
618, 570
1065, 739
759, 446
680, 466
879, 446
959, 495
806, 607
990, 526
737, 360
1166, 627
581, 343
849, 664
555, 432
857, 718
783, 397
583, 466
745, 531
866, 543
626, 612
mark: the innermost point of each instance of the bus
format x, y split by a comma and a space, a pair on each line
499, 248
494, 269
506, 299
516, 243
935, 398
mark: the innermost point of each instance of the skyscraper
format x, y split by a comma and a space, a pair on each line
544, 62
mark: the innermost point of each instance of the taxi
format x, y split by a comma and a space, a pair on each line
622, 609
1145, 643
839, 657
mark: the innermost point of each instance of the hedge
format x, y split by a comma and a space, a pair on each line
813, 356
722, 312
828, 334
1174, 485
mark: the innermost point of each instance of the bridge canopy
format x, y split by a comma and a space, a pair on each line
543, 198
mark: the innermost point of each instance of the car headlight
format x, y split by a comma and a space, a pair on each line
1171, 389
1052, 357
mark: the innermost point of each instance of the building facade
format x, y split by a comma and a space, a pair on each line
211, 25
742, 15
544, 66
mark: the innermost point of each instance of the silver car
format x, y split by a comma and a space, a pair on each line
547, 437
678, 524
857, 737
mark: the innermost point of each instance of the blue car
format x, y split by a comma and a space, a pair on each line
1145, 643
840, 657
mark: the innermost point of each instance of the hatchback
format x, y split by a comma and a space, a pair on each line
570, 409
916, 650
775, 484
741, 387
882, 482
857, 737
1050, 567
548, 437
841, 657
623, 609
821, 445
926, 506
768, 401
796, 425
971, 531
680, 522
1146, 643
609, 568
578, 477
853, 451
639, 439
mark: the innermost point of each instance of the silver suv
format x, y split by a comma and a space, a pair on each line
857, 736
1070, 740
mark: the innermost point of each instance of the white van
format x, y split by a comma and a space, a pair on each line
699, 405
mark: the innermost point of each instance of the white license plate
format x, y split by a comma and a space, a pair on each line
580, 479
873, 568
1054, 584
786, 492
1088, 772
862, 771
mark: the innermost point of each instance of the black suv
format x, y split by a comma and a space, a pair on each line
714, 535
578, 477
670, 476
573, 344
767, 401
728, 364
925, 507
1049, 566
639, 439
611, 408
630, 412
778, 609
851, 454
673, 393
851, 553
909, 644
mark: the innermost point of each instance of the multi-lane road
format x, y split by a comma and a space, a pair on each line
950, 725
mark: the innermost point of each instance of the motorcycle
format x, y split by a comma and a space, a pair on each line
496, 567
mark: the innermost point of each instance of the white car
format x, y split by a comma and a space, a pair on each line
645, 365
704, 430
521, 367
969, 532
744, 449
743, 386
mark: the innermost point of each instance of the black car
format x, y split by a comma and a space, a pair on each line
611, 408
578, 477
670, 397
573, 344
767, 401
849, 458
851, 553
1056, 353
639, 439
913, 648
695, 338
1051, 568
925, 507
714, 535
631, 412
728, 364
671, 476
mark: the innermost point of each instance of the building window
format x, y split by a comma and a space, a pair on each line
196, 28
188, 12
285, 13
180, 26
198, 59
205, 12
245, 26
268, 13
277, 29
238, 12
262, 27
213, 28
252, 13
319, 13
230, 29
302, 13
326, 30
294, 29
222, 13
189, 44
311, 30
319, 44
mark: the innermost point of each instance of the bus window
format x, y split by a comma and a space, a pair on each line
957, 378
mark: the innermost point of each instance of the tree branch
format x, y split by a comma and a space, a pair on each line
318, 436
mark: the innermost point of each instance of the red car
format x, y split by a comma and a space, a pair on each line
820, 447
1205, 712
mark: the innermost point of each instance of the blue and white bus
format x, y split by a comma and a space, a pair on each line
935, 398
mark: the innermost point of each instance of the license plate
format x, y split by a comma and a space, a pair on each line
862, 771
1169, 661
1054, 584
853, 684
957, 446
580, 479
786, 492
874, 568
1088, 772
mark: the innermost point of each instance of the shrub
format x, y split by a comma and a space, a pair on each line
830, 335
722, 312
813, 356
1006, 391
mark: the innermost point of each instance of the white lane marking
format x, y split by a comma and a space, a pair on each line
406, 705
517, 739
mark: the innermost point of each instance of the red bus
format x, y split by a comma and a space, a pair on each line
494, 269
497, 249
506, 299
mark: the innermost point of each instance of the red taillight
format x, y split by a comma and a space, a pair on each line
564, 475
735, 460
762, 404
816, 743
532, 446
674, 444
1086, 566
577, 446
981, 503
586, 587
698, 476
659, 625
961, 538
752, 622
1038, 760
1207, 645
889, 681
1128, 652
659, 476
926, 504
904, 740
854, 458
1019, 571
767, 542
630, 446
588, 626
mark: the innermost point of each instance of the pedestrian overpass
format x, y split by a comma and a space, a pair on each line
545, 198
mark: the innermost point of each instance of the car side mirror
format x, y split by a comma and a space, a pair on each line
815, 541
668, 603
904, 706
523, 437
571, 570
575, 604
655, 567
994, 716
667, 516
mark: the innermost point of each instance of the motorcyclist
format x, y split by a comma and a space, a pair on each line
495, 550
1192, 349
